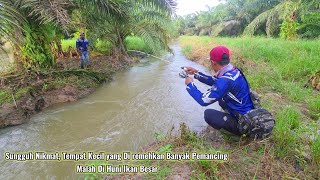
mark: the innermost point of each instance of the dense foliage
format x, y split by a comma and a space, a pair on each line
37, 27
288, 19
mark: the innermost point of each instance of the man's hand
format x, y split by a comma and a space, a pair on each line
191, 70
188, 80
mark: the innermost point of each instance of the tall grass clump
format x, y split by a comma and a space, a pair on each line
285, 135
315, 150
314, 106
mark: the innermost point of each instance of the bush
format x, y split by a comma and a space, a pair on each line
136, 43
66, 43
103, 46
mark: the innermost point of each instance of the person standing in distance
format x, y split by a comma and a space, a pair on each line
82, 45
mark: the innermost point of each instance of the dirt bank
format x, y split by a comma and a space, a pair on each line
27, 93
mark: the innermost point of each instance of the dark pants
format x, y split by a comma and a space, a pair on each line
221, 120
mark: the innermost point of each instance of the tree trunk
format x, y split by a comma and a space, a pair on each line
119, 51
121, 44
60, 51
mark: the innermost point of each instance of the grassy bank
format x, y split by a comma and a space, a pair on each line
279, 71
271, 65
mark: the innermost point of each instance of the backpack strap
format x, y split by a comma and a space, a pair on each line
239, 115
236, 113
254, 97
245, 80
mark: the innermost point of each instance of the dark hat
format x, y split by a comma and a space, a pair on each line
218, 53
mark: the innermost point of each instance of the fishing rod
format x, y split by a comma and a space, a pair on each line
182, 74
150, 55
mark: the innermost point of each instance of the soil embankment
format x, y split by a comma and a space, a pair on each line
27, 93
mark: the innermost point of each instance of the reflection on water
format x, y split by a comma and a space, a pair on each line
122, 115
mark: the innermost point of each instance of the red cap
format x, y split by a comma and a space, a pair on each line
217, 53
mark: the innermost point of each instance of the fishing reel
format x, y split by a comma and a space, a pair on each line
183, 74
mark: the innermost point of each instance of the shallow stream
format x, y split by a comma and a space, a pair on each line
123, 115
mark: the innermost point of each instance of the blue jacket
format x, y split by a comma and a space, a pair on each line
231, 87
82, 44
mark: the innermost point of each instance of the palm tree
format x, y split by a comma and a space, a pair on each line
32, 25
41, 22
147, 19
286, 12
10, 18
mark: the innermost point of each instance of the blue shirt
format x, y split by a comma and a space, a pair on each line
82, 44
230, 87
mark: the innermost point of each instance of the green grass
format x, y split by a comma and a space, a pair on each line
99, 46
290, 64
66, 43
285, 66
163, 172
285, 134
103, 46
187, 50
136, 43
5, 96
294, 60
282, 68
21, 92
314, 106
315, 149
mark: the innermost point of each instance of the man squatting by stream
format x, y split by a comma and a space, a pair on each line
228, 86
82, 45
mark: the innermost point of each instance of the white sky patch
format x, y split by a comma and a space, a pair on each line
191, 6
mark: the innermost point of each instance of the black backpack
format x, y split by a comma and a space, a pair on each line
258, 122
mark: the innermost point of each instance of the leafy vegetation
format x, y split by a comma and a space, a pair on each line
41, 31
136, 43
287, 19
37, 27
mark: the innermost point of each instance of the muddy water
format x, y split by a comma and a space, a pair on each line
123, 115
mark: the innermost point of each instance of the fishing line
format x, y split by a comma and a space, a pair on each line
150, 55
